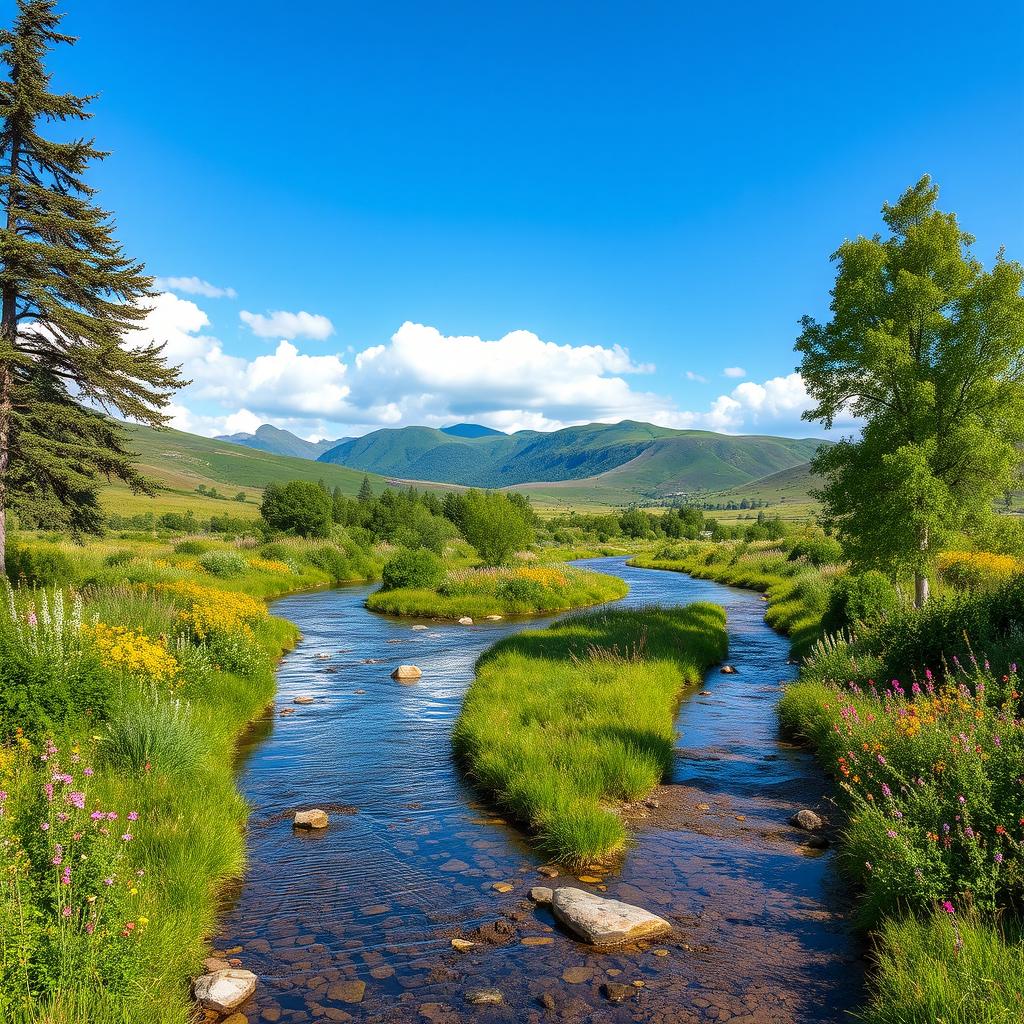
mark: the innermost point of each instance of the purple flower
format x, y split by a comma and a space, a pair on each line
45, 826
133, 815
77, 799
127, 837
948, 907
65, 878
87, 772
891, 833
886, 791
108, 881
111, 815
97, 815
999, 858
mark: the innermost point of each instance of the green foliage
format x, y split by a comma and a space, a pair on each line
61, 266
497, 525
817, 549
152, 732
926, 347
192, 547
420, 569
39, 565
48, 675
860, 598
297, 507
226, 564
562, 722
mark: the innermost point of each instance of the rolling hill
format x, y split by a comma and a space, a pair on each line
615, 463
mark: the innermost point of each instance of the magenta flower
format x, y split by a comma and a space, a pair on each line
45, 826
65, 912
999, 858
948, 907
133, 815
87, 772
65, 878
77, 799
127, 837
97, 815
111, 815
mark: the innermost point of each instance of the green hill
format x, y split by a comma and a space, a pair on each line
281, 442
607, 463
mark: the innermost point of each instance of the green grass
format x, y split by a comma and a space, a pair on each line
945, 970
526, 590
797, 592
562, 724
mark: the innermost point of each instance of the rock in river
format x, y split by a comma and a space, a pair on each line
484, 997
604, 922
223, 990
807, 820
310, 819
303, 700
728, 670
541, 894
407, 673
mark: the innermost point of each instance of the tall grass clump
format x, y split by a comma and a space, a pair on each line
563, 723
416, 584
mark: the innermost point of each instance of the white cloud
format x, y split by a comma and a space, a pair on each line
194, 286
734, 371
281, 324
690, 375
421, 376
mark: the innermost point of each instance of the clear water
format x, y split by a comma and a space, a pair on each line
762, 932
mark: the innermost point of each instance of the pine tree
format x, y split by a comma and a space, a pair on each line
70, 300
365, 491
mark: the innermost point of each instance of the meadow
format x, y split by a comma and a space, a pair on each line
129, 669
562, 724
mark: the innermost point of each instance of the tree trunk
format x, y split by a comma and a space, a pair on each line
920, 579
8, 348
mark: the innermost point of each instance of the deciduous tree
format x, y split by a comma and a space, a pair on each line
927, 347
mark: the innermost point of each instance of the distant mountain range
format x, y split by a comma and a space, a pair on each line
281, 442
633, 460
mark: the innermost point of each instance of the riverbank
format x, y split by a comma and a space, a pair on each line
479, 592
123, 692
561, 724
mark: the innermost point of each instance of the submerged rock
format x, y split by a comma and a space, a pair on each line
407, 673
420, 626
616, 993
604, 922
462, 945
302, 700
541, 894
224, 990
807, 820
314, 818
484, 997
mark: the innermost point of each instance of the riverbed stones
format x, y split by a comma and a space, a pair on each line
465, 621
605, 922
541, 894
484, 997
312, 819
807, 820
577, 975
224, 990
502, 886
462, 945
347, 991
302, 700
215, 963
407, 673
616, 993
548, 871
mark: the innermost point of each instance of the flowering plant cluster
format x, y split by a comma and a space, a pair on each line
977, 570
934, 775
132, 652
70, 901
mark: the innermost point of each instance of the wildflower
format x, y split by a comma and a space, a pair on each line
143, 921
87, 772
97, 815
45, 826
891, 833
77, 800
999, 858
133, 815
108, 881
65, 878
65, 912
948, 907
127, 837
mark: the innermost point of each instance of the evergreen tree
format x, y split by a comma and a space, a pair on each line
365, 495
70, 300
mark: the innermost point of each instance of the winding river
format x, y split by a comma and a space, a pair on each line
356, 923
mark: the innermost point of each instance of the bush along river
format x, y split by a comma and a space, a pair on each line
357, 921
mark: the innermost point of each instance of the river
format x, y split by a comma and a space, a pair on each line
355, 923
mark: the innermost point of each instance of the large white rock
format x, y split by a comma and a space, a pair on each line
604, 922
465, 621
224, 990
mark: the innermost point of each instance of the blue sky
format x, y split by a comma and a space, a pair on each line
652, 191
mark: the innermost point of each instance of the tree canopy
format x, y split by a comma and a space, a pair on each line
299, 507
70, 297
927, 348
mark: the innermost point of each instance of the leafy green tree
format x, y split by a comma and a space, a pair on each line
70, 300
365, 495
297, 507
927, 347
495, 525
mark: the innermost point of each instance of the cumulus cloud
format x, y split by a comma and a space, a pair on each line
194, 286
281, 324
421, 376
734, 371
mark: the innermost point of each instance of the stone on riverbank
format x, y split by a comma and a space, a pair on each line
465, 621
807, 820
407, 673
314, 818
224, 990
495, 618
605, 922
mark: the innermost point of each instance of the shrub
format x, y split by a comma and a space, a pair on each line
419, 570
977, 571
298, 507
224, 564
116, 558
40, 566
191, 547
818, 550
860, 598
